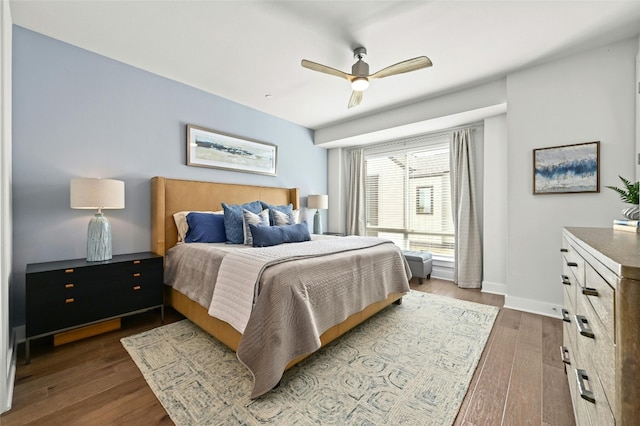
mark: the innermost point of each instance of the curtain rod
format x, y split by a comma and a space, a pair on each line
401, 141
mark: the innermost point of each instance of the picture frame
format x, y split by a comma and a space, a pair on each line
217, 150
424, 200
567, 169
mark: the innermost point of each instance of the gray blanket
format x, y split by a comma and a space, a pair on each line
298, 300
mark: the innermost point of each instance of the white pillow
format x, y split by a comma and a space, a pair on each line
282, 219
248, 218
180, 219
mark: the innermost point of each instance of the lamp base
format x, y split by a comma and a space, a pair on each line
317, 223
99, 239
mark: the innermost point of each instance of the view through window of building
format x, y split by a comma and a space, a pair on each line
408, 197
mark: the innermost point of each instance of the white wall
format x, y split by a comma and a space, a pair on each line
7, 355
582, 98
495, 205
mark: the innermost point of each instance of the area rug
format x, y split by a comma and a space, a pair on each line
410, 364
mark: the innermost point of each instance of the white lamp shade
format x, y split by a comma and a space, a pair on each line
318, 202
96, 193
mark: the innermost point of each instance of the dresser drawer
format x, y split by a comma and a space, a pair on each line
602, 299
573, 260
597, 352
590, 396
570, 286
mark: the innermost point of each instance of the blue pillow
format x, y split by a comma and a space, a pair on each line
284, 209
233, 220
266, 236
205, 228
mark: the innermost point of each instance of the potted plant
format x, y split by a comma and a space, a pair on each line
631, 195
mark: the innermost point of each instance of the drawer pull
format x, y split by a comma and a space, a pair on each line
564, 354
565, 316
136, 262
564, 250
572, 264
70, 285
588, 291
582, 375
565, 280
137, 287
68, 271
137, 274
69, 300
583, 326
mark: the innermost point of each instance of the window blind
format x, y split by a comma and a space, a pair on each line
408, 196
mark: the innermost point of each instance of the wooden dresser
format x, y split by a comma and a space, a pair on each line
601, 338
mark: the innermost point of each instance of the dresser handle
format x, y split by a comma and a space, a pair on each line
564, 354
68, 285
565, 280
137, 287
68, 271
137, 274
588, 291
583, 326
582, 375
564, 250
572, 264
565, 316
69, 300
136, 262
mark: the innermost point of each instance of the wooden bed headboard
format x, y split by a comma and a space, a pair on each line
169, 196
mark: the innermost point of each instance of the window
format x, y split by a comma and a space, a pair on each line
408, 195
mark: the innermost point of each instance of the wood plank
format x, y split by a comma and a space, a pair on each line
551, 342
524, 402
556, 399
490, 393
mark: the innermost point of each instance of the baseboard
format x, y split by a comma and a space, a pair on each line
442, 269
533, 306
11, 374
494, 288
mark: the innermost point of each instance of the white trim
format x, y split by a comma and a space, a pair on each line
533, 306
494, 288
7, 342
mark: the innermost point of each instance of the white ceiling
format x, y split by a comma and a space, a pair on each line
245, 50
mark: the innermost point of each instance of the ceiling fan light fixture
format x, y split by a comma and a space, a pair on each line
359, 84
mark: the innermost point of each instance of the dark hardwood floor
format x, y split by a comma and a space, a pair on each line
520, 379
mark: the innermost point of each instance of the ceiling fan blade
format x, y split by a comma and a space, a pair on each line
324, 69
355, 99
402, 67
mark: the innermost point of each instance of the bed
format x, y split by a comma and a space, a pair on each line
169, 196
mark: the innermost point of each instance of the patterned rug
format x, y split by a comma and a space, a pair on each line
410, 364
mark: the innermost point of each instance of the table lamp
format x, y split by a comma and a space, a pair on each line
317, 202
96, 193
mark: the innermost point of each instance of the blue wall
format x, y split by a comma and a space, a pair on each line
79, 114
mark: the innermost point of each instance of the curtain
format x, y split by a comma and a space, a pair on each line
468, 246
356, 207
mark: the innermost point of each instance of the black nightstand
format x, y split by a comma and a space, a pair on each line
65, 295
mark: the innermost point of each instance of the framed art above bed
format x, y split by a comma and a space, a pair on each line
209, 148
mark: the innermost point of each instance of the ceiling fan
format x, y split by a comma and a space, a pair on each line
360, 77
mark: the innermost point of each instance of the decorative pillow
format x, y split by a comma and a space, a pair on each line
205, 228
266, 236
180, 219
248, 218
233, 220
284, 209
281, 218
